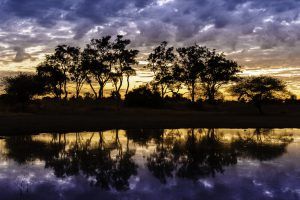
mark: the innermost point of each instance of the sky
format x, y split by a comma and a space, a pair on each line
263, 36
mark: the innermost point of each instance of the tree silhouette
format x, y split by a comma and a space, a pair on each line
124, 58
258, 90
105, 61
77, 70
54, 78
216, 72
161, 63
97, 58
191, 62
64, 57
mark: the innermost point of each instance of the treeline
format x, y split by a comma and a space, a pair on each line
199, 71
102, 61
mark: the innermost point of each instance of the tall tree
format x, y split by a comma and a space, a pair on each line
98, 59
123, 60
77, 70
191, 61
258, 90
161, 61
63, 59
216, 72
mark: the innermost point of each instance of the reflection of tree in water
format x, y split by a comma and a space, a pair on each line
196, 156
262, 145
110, 164
97, 163
93, 161
161, 162
203, 154
23, 149
143, 136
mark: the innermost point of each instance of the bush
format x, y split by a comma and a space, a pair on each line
23, 87
143, 97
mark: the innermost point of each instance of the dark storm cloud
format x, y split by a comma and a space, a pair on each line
187, 16
228, 25
45, 12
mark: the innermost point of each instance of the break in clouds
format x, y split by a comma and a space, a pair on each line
263, 36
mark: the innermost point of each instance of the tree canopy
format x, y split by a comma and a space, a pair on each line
259, 89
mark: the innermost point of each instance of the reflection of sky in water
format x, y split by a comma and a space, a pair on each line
277, 178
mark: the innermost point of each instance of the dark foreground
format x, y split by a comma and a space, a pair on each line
26, 123
150, 164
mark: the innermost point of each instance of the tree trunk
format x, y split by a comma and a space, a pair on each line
211, 95
127, 89
94, 91
77, 93
162, 91
193, 92
119, 88
100, 96
65, 90
60, 91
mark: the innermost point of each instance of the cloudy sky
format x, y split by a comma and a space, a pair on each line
262, 35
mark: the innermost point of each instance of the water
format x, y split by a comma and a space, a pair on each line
152, 164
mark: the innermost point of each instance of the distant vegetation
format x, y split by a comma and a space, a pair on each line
258, 90
199, 71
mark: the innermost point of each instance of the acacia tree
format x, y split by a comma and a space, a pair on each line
191, 61
216, 71
97, 58
53, 76
160, 63
123, 60
258, 90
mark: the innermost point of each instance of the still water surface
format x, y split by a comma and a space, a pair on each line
152, 164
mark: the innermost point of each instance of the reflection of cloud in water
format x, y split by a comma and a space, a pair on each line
262, 179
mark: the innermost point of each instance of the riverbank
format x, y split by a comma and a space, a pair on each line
29, 123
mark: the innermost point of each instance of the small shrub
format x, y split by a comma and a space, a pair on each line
143, 97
